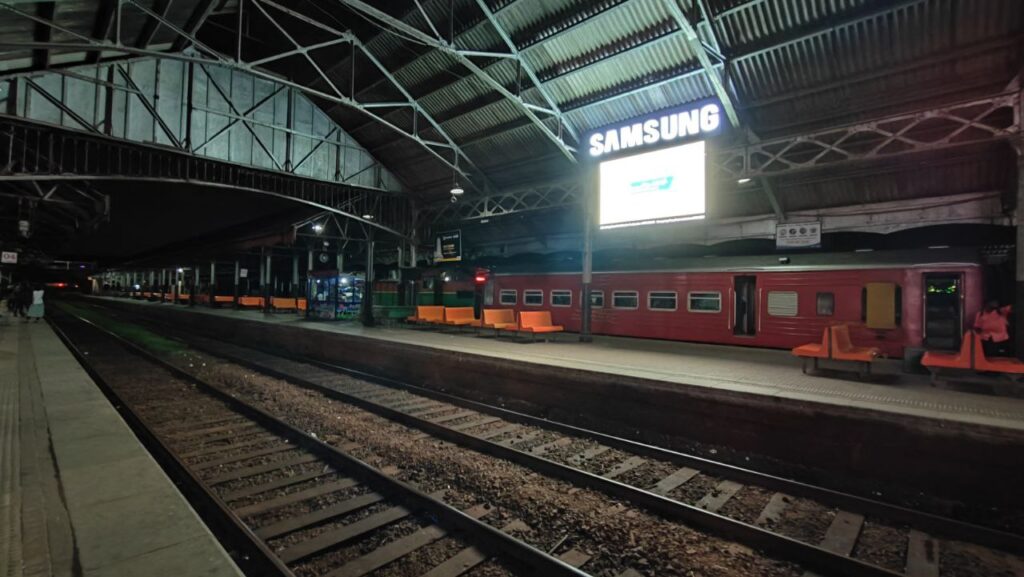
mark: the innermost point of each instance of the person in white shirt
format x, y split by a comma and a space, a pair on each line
36, 309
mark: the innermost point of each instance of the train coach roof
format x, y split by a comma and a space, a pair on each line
771, 262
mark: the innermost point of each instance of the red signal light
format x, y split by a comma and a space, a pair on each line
480, 278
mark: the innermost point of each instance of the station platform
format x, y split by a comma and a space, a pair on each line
79, 494
769, 373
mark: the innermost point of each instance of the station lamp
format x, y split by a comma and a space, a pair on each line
367, 217
743, 180
318, 228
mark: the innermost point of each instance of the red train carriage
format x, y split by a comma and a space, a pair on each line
891, 300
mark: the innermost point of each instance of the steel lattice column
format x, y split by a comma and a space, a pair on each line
1019, 220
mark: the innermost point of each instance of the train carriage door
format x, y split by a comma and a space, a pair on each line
745, 306
943, 310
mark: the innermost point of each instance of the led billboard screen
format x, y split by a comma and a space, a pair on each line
665, 185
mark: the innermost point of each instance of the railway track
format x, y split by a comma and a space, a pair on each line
285, 502
752, 508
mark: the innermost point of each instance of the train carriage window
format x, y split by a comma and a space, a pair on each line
508, 297
826, 304
625, 299
661, 301
561, 298
533, 298
704, 302
597, 299
782, 303
881, 305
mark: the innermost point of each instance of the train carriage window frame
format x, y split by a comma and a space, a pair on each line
825, 304
598, 302
692, 296
652, 296
508, 292
531, 294
635, 295
558, 294
783, 304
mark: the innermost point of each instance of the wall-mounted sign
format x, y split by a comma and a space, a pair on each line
9, 258
661, 128
798, 235
448, 246
243, 273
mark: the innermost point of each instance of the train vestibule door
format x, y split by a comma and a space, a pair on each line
943, 310
745, 306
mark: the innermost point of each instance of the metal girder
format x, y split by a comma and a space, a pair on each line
978, 120
541, 197
525, 67
463, 60
202, 11
32, 152
698, 49
210, 57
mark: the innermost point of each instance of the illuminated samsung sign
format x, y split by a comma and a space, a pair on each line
678, 124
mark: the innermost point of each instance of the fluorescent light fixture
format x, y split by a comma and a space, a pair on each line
743, 180
368, 216
457, 190
317, 227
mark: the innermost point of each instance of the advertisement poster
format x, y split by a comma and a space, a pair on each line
448, 246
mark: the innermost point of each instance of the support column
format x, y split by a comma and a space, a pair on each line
295, 276
238, 273
589, 191
174, 287
366, 312
196, 281
267, 290
1018, 305
163, 283
213, 283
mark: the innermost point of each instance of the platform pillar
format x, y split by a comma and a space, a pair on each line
266, 282
213, 283
366, 311
1018, 305
588, 191
294, 289
195, 285
238, 274
174, 286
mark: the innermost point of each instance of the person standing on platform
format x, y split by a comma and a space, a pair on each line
36, 309
992, 323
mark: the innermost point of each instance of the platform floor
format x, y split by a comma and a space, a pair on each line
757, 371
79, 495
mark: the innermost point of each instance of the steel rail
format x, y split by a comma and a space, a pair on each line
490, 538
254, 558
944, 526
805, 554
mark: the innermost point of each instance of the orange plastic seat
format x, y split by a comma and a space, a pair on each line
995, 364
843, 348
301, 304
815, 350
536, 322
255, 302
428, 315
223, 299
498, 319
963, 359
459, 316
283, 304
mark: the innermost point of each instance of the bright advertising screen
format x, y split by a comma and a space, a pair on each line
661, 186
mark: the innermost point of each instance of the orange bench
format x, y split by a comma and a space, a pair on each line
222, 299
498, 319
283, 304
460, 317
427, 315
252, 302
184, 298
301, 304
815, 351
168, 297
535, 322
971, 357
836, 345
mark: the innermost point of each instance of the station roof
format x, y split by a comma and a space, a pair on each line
786, 66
